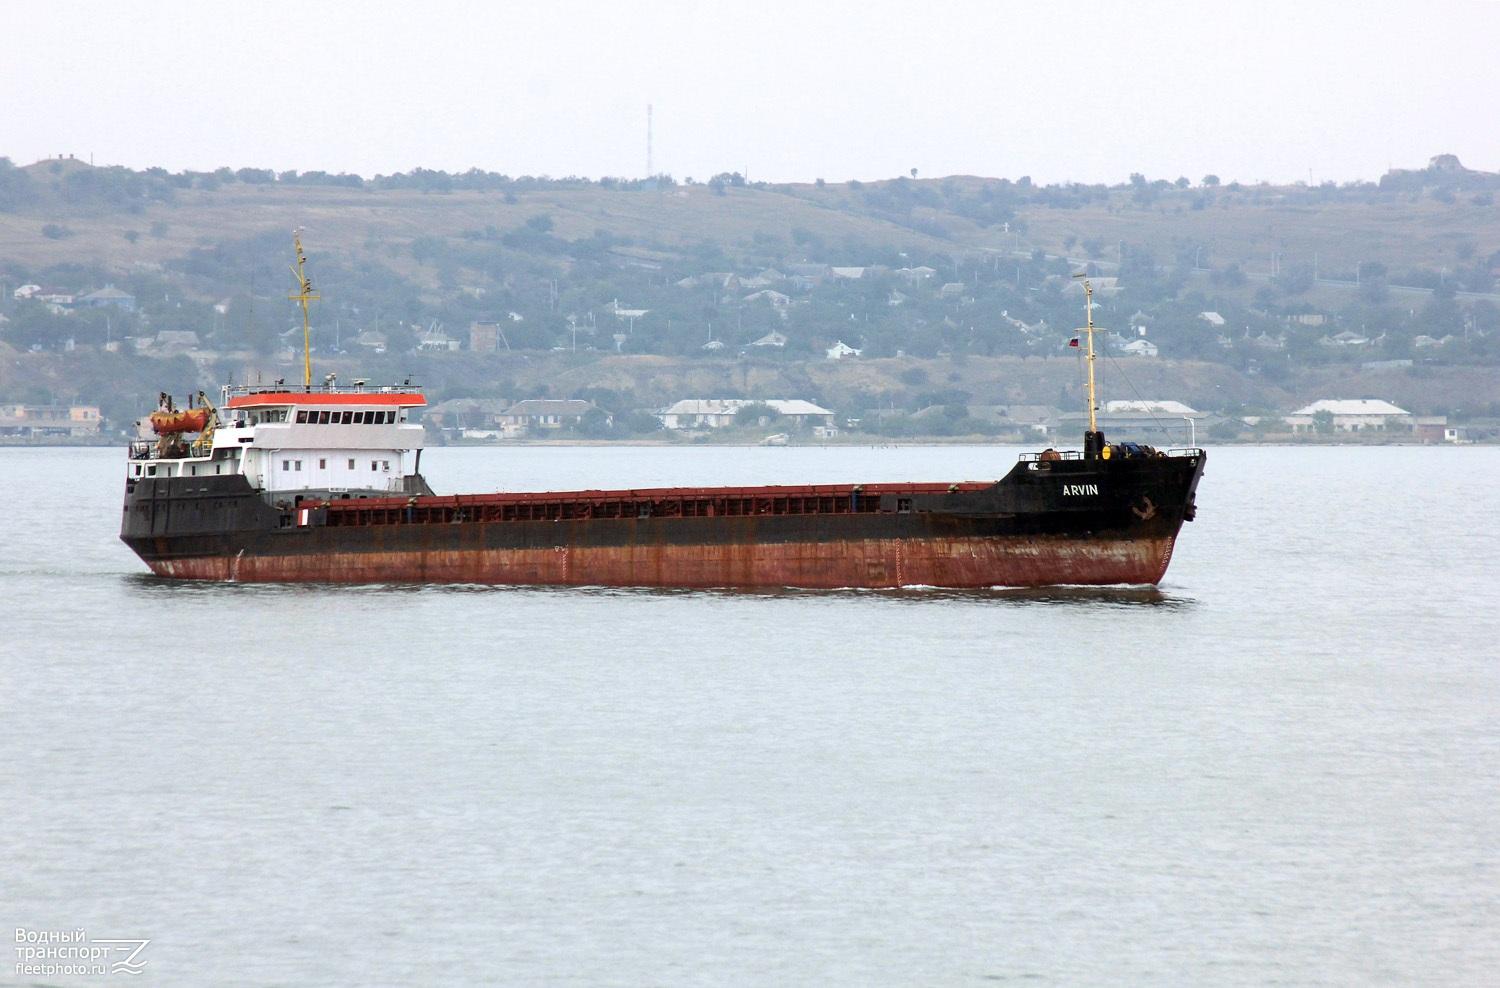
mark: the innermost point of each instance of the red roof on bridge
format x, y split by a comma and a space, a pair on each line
315, 399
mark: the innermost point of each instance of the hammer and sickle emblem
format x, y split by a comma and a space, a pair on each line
1146, 513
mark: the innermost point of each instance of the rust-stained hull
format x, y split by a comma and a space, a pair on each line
1070, 522
875, 563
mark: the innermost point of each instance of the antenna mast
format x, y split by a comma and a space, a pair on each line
1088, 302
305, 294
649, 172
1094, 446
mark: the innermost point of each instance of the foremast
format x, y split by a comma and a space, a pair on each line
1094, 445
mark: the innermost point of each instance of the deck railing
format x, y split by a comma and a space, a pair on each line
237, 390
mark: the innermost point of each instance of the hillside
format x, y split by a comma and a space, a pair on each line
1404, 231
1366, 288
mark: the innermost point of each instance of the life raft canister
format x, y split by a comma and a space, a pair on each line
170, 423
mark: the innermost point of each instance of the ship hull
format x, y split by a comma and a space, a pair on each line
1071, 522
875, 563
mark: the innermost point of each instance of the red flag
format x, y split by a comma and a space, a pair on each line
1073, 341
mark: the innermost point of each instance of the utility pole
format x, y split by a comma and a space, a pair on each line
650, 172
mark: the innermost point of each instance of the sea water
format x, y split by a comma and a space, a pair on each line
1281, 766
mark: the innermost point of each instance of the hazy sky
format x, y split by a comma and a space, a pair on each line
789, 91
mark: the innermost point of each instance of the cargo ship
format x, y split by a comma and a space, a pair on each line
323, 483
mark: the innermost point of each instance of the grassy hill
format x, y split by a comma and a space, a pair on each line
398, 254
1227, 225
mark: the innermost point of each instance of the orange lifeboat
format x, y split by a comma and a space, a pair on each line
170, 423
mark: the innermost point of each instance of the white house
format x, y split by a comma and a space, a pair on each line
1175, 409
716, 413
778, 300
1212, 318
539, 414
371, 340
1344, 339
840, 350
621, 313
773, 338
1352, 415
1140, 348
435, 340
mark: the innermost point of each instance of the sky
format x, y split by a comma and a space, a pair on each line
780, 91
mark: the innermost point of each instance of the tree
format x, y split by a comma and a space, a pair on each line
1372, 291
595, 424
1225, 430
1211, 181
755, 415
400, 339
1295, 279
1228, 277
1182, 182
1323, 422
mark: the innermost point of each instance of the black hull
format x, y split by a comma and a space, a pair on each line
1051, 522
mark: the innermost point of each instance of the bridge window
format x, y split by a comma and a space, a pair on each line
347, 418
351, 464
373, 465
322, 464
297, 465
359, 418
301, 417
286, 464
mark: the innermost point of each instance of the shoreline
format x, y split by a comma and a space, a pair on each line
870, 442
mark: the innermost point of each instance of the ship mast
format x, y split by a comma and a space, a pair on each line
1093, 440
305, 294
1088, 305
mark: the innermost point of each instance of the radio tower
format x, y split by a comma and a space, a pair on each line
649, 172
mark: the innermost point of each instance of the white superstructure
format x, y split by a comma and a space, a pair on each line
327, 439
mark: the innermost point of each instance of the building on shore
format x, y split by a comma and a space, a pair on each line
536, 415
1350, 415
717, 413
1155, 422
32, 421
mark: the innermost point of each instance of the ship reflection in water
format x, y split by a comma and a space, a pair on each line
163, 590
